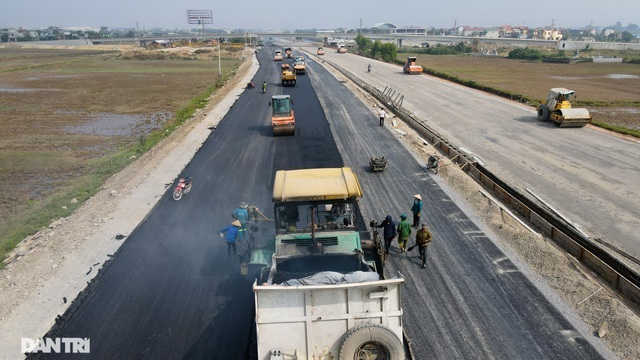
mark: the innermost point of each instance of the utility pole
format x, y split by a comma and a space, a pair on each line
360, 31
219, 59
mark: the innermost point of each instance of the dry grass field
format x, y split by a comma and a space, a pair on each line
611, 92
71, 118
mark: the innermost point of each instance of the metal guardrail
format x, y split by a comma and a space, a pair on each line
620, 277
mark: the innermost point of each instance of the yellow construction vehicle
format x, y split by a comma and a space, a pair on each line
299, 65
283, 120
278, 55
320, 51
288, 75
410, 66
558, 109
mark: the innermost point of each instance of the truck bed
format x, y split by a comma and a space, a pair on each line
311, 321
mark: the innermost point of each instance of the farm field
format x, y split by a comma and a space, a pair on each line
71, 118
611, 92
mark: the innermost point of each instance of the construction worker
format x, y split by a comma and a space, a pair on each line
404, 230
389, 232
232, 235
423, 238
416, 209
382, 115
255, 213
264, 86
242, 215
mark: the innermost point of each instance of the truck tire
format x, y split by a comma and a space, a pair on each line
543, 113
371, 341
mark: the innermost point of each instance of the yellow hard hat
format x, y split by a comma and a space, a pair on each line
236, 223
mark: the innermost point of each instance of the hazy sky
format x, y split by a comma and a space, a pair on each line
321, 14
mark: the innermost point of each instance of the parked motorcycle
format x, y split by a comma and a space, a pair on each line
434, 162
183, 188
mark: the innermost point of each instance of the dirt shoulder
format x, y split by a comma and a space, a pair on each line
588, 304
52, 267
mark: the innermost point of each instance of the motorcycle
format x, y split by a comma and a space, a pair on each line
369, 68
182, 188
433, 162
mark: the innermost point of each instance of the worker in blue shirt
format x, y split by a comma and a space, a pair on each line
231, 235
416, 209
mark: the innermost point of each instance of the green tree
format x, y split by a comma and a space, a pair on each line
388, 52
375, 49
364, 44
525, 53
93, 34
462, 48
626, 36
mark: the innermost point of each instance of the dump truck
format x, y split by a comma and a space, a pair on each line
320, 51
299, 65
278, 55
288, 75
558, 108
287, 53
283, 119
410, 66
320, 292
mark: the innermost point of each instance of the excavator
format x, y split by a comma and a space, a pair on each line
558, 109
410, 67
283, 120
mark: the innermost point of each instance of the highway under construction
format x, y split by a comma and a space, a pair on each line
171, 291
